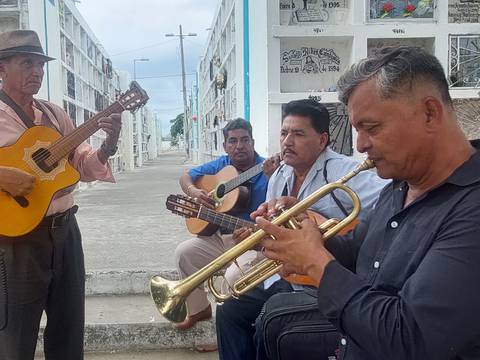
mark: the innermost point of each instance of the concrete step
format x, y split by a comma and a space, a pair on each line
150, 355
131, 323
123, 282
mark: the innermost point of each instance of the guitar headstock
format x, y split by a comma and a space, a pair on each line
182, 205
133, 98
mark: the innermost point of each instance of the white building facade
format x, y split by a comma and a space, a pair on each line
82, 79
263, 54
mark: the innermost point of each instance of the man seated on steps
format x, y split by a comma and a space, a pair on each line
193, 254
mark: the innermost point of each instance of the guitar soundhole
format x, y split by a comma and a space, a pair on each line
40, 157
220, 191
22, 201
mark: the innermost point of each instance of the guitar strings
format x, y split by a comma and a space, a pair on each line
71, 139
232, 184
44, 155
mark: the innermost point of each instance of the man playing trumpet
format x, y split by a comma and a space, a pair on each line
404, 284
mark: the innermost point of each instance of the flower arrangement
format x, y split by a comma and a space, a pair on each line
409, 9
386, 10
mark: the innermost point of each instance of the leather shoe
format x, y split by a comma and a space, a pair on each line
191, 320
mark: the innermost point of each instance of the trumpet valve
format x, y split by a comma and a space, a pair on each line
327, 225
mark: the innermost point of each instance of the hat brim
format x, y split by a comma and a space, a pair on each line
10, 53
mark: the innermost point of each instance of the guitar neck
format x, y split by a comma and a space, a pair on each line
65, 145
223, 220
245, 176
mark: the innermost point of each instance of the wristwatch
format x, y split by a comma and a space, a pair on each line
108, 150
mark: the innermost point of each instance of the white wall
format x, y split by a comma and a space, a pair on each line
52, 83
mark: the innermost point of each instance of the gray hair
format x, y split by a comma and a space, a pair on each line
396, 71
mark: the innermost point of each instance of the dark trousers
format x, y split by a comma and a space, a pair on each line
44, 271
235, 321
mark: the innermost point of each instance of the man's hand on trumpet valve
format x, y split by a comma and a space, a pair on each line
270, 209
301, 251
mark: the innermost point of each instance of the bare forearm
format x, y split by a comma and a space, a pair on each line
186, 183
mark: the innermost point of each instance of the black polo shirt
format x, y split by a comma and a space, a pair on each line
413, 288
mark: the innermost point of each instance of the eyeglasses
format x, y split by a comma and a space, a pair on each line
235, 141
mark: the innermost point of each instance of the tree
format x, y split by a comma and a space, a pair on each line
176, 128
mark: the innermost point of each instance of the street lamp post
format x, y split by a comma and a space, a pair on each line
134, 67
181, 35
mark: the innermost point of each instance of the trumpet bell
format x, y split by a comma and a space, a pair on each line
168, 302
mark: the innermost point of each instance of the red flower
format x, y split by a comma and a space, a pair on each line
410, 8
387, 7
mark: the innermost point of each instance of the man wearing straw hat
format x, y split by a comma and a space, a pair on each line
44, 269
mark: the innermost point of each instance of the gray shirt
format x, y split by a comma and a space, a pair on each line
367, 185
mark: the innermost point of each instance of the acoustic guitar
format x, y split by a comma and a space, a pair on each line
43, 152
185, 206
225, 189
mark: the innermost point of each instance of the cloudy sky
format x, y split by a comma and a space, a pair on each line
136, 29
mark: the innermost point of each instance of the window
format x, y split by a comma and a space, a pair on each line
9, 3
464, 64
70, 84
72, 112
401, 9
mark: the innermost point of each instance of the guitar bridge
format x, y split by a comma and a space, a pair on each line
40, 157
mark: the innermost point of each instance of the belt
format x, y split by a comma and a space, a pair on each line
58, 220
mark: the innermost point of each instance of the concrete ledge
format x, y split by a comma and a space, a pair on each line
125, 282
124, 323
146, 336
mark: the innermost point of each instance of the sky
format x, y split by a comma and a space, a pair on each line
136, 29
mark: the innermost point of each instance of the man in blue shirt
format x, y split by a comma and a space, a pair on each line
195, 253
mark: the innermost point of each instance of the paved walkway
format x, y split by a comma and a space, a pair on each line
125, 226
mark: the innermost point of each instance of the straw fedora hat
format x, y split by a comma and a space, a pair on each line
21, 42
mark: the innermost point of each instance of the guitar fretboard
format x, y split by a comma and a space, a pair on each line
65, 145
245, 176
224, 220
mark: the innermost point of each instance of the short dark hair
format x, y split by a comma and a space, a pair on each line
235, 124
318, 113
396, 70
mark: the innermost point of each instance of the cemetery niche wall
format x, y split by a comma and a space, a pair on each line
401, 9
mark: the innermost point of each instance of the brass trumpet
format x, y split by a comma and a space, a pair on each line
169, 296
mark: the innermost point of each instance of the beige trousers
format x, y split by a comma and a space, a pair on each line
193, 254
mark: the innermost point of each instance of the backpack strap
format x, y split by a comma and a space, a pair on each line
337, 201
